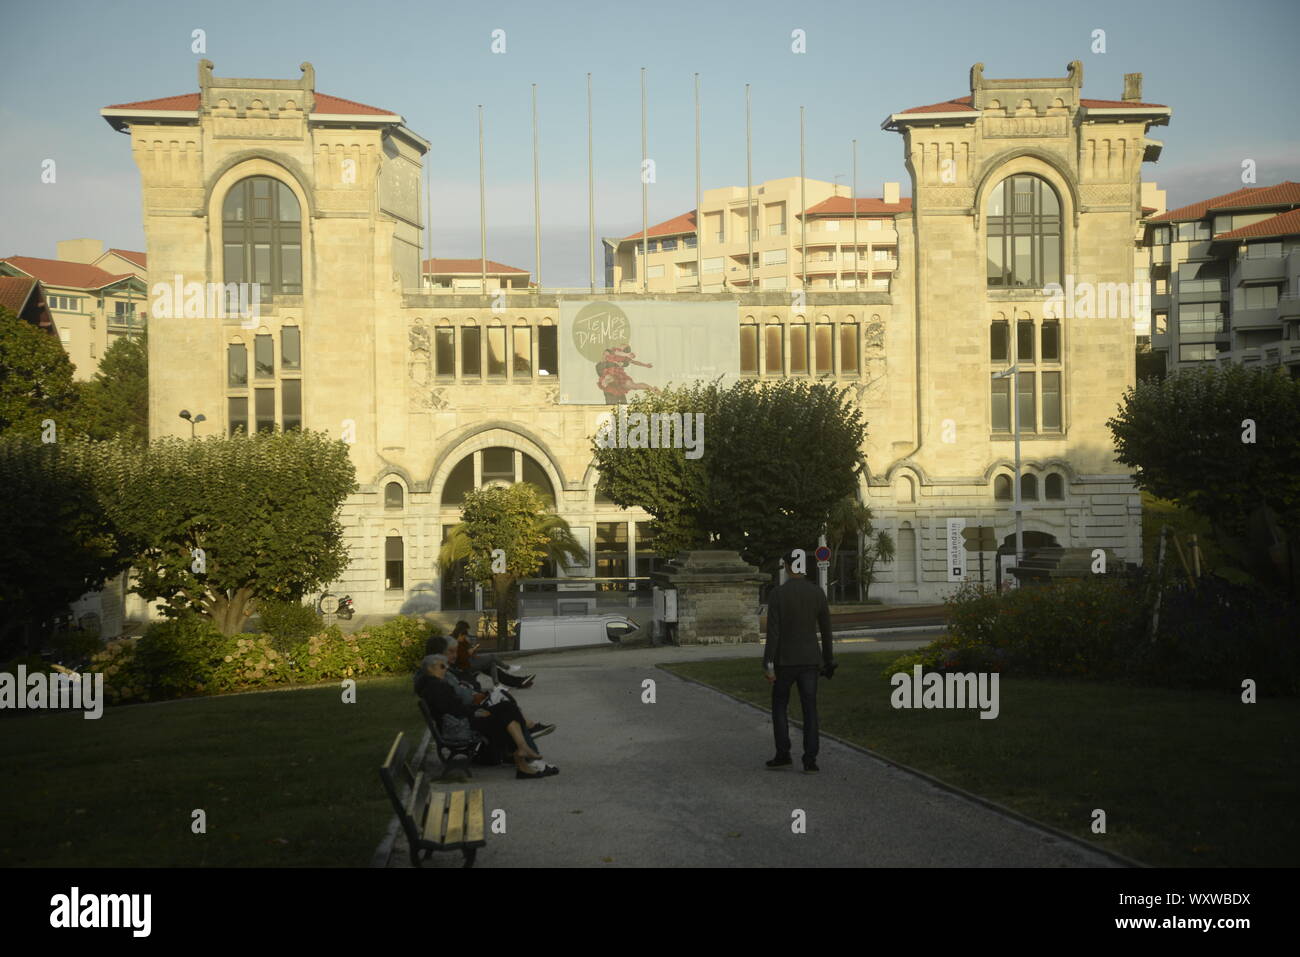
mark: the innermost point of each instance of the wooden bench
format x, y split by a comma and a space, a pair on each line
432, 820
449, 754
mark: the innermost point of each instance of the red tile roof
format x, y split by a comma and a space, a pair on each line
189, 102
15, 291
685, 223
962, 104
1283, 194
140, 259
56, 272
843, 206
468, 266
1286, 224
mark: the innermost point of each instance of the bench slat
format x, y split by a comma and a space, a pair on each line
433, 822
474, 817
456, 818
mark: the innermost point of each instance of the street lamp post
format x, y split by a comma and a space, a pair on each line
1012, 373
193, 421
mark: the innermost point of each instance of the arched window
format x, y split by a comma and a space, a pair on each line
906, 491
497, 465
1002, 488
1029, 488
262, 236
1024, 233
394, 497
1054, 487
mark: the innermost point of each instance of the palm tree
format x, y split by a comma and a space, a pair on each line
850, 519
547, 537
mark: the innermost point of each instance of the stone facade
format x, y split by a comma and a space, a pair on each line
369, 368
717, 597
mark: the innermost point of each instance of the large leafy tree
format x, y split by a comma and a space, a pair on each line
515, 523
218, 524
1224, 442
116, 400
56, 542
776, 459
35, 381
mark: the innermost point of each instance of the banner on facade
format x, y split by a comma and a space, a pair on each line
611, 352
956, 550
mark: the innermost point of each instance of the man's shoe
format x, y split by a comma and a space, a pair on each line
810, 767
780, 761
539, 729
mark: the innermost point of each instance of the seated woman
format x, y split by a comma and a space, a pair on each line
501, 723
468, 658
440, 645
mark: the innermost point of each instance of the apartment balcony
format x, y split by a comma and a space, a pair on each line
1261, 270
1288, 306
126, 322
1246, 319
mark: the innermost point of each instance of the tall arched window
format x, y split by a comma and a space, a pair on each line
262, 236
906, 554
1029, 488
393, 495
1024, 233
1054, 487
1002, 488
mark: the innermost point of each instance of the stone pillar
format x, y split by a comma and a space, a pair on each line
717, 597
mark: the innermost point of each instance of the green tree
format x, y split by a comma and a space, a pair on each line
217, 524
56, 541
1225, 443
505, 534
776, 458
35, 382
116, 400
851, 520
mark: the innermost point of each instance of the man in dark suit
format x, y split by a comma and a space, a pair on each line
796, 611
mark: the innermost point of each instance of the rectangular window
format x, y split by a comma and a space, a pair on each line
290, 348
749, 350
471, 364
668, 245
689, 242
849, 348
772, 340
646, 559
522, 338
1257, 297
1001, 396
773, 257
1051, 336
799, 348
547, 351
825, 348
496, 342
394, 563
498, 465
1160, 236
234, 263
291, 404
654, 272
264, 357
1051, 401
237, 365
1264, 251
611, 549
444, 352
1025, 401
265, 409
713, 265
237, 413
1197, 352
999, 334
996, 268
291, 269
1161, 323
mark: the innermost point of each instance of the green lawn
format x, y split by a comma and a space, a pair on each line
1185, 778
286, 778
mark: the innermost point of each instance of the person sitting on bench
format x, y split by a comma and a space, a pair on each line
467, 657
440, 645
501, 722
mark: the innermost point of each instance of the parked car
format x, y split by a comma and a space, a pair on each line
574, 631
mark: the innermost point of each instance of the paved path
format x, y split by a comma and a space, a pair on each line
681, 783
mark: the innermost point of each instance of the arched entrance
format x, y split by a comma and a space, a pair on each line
1033, 541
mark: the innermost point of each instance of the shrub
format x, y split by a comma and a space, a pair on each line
288, 622
178, 657
122, 680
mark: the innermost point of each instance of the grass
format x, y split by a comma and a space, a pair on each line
286, 778
1186, 778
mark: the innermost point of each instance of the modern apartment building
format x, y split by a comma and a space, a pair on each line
1013, 188
1225, 275
798, 234
472, 275
95, 296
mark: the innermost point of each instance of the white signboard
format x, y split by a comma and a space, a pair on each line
611, 352
956, 550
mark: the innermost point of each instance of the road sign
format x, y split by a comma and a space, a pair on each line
979, 538
823, 553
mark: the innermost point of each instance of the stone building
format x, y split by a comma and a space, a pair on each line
315, 199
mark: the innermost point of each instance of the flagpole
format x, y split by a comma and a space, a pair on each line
645, 195
857, 277
699, 213
537, 201
591, 197
749, 189
482, 206
803, 204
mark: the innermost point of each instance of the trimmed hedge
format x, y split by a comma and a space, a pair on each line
1212, 637
189, 656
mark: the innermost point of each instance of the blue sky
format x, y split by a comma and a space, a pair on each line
1228, 69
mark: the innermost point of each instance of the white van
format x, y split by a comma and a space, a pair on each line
573, 631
